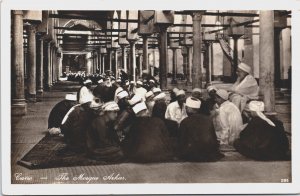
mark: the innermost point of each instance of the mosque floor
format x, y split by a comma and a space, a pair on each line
28, 130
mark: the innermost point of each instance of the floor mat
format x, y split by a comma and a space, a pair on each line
51, 152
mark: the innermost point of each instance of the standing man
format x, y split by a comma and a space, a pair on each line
85, 93
197, 136
176, 110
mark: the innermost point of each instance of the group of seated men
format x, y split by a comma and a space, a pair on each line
135, 121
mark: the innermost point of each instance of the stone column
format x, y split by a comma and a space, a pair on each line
266, 60
32, 63
132, 67
141, 58
185, 63
190, 64
99, 63
103, 64
163, 57
207, 63
197, 43
49, 71
124, 60
116, 63
211, 60
110, 59
174, 68
145, 53
18, 104
40, 66
235, 57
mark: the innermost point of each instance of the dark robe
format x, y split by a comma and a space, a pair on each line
75, 127
197, 139
104, 92
58, 113
159, 109
148, 141
103, 142
261, 141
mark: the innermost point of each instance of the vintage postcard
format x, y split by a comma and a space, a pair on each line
109, 97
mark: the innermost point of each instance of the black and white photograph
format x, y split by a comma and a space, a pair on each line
149, 96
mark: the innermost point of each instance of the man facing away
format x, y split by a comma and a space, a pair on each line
197, 136
147, 140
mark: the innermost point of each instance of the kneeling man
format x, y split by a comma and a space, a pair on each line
102, 140
147, 140
197, 136
263, 138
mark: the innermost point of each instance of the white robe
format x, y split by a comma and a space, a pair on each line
243, 91
175, 113
228, 122
85, 95
140, 91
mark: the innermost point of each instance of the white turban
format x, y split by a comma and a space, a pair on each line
110, 106
100, 81
193, 103
71, 97
175, 90
180, 92
122, 94
223, 94
139, 107
244, 67
211, 87
258, 107
139, 82
197, 90
132, 82
127, 83
156, 90
152, 81
159, 96
135, 99
87, 81
149, 94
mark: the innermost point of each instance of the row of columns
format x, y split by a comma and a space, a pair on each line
35, 63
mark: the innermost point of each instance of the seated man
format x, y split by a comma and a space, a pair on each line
139, 90
245, 88
148, 139
150, 101
262, 138
176, 110
197, 136
227, 118
122, 100
102, 140
77, 121
58, 113
85, 94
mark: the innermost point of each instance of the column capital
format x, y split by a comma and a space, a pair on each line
197, 15
18, 12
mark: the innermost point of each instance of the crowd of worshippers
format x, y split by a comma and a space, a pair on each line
133, 121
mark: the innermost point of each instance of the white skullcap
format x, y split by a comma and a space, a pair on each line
223, 94
197, 90
180, 92
211, 87
139, 82
175, 90
156, 90
139, 107
148, 94
159, 96
119, 80
71, 97
122, 94
152, 81
193, 103
244, 67
135, 99
257, 106
132, 82
100, 81
87, 81
110, 106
